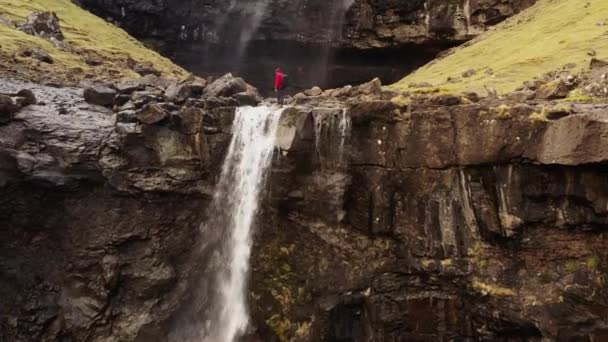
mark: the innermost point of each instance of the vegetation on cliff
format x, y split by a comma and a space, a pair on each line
544, 38
88, 37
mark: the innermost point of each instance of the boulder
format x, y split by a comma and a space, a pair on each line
100, 95
226, 86
189, 120
28, 97
246, 99
197, 84
128, 87
178, 92
521, 95
140, 98
151, 114
35, 53
314, 91
43, 24
154, 81
597, 64
372, 87
557, 89
127, 116
145, 69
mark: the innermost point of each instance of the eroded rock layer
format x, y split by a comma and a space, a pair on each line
452, 218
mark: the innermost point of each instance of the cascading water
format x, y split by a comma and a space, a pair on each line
229, 229
331, 135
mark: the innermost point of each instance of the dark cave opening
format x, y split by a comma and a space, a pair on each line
306, 64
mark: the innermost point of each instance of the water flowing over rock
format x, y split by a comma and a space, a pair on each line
233, 214
462, 219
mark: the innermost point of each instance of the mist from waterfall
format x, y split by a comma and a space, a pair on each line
237, 40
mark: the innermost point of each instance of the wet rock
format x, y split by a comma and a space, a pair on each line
127, 116
226, 86
121, 99
35, 53
246, 99
100, 95
43, 24
151, 114
7, 109
140, 98
315, 91
189, 120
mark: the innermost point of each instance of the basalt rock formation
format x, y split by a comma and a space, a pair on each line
368, 24
446, 217
319, 42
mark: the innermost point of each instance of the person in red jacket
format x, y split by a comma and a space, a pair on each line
279, 86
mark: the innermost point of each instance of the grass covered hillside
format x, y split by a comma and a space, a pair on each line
88, 36
543, 38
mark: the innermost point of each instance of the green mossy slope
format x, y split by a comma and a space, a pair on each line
86, 34
543, 38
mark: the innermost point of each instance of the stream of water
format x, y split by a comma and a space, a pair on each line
237, 198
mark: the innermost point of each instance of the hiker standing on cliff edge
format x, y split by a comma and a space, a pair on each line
280, 83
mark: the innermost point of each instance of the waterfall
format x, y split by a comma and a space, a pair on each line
332, 131
233, 210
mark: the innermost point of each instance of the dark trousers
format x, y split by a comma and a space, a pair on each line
280, 96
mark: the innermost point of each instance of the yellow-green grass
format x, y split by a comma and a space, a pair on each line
541, 39
86, 33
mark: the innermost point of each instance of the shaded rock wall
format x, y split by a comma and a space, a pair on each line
457, 226
451, 221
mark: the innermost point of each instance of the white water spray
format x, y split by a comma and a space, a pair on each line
247, 161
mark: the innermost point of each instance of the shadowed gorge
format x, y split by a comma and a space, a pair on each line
324, 43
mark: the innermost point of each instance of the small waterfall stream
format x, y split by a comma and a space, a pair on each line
236, 202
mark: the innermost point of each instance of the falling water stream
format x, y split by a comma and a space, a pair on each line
236, 200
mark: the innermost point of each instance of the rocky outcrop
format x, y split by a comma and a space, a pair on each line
462, 221
441, 217
99, 216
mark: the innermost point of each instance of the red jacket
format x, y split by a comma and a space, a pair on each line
278, 81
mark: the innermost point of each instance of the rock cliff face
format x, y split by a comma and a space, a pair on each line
314, 40
451, 219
